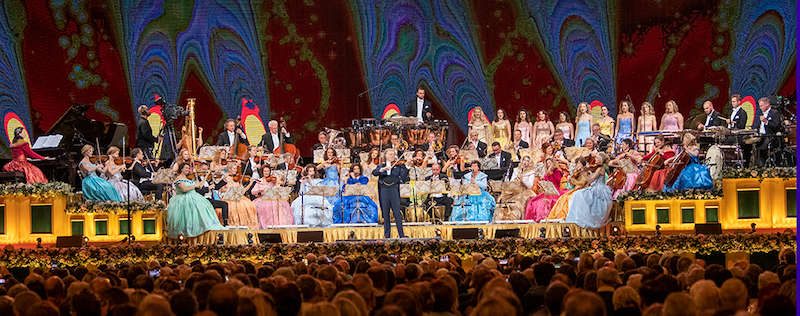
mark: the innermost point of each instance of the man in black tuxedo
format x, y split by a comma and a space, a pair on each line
769, 124
558, 138
438, 198
322, 137
210, 192
738, 118
272, 139
420, 108
144, 134
141, 177
229, 135
389, 178
477, 144
712, 117
503, 159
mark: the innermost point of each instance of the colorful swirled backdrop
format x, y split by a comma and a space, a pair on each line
323, 63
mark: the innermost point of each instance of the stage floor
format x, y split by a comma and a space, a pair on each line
289, 234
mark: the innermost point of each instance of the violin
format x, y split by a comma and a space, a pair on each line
98, 158
271, 179
241, 178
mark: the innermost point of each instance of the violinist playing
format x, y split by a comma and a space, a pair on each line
113, 172
660, 148
241, 210
271, 209
20, 152
627, 171
453, 163
142, 176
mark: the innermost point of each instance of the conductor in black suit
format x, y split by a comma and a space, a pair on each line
144, 134
229, 135
272, 139
420, 108
389, 178
768, 125
712, 117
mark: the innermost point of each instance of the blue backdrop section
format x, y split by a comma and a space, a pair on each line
578, 39
405, 44
13, 95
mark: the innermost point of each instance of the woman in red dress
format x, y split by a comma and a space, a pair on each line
20, 152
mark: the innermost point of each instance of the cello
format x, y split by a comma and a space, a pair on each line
674, 169
654, 163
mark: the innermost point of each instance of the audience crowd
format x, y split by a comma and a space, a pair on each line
578, 284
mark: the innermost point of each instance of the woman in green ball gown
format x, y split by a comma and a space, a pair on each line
189, 213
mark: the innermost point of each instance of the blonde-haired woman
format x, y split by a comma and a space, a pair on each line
501, 129
672, 120
583, 124
647, 123
94, 187
114, 174
480, 124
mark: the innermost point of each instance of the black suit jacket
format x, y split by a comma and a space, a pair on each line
398, 174
427, 115
505, 159
139, 172
144, 135
714, 121
266, 141
524, 144
441, 176
740, 120
773, 126
481, 148
222, 139
567, 143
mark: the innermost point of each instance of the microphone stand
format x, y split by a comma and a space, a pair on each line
128, 197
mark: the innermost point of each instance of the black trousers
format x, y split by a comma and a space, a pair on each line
148, 186
447, 202
390, 199
222, 205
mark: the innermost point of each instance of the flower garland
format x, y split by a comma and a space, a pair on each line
759, 172
111, 207
35, 190
691, 194
431, 248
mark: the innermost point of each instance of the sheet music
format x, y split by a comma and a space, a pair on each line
49, 141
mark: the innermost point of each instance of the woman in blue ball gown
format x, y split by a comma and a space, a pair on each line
355, 208
589, 207
316, 210
624, 122
583, 124
474, 207
189, 213
695, 175
95, 188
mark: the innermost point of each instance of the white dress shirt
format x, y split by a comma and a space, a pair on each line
231, 137
275, 140
733, 113
761, 128
420, 104
255, 170
708, 118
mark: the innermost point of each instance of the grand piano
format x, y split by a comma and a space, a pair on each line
77, 130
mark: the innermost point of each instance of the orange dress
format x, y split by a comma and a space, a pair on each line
20, 152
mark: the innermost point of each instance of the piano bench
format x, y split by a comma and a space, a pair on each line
12, 177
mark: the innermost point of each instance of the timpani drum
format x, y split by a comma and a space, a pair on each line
379, 136
416, 135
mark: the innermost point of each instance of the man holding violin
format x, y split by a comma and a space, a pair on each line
390, 174
141, 176
274, 139
230, 135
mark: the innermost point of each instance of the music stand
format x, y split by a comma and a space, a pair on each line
321, 190
356, 190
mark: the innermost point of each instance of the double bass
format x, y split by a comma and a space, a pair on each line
239, 150
284, 147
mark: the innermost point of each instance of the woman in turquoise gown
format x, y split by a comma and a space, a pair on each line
355, 208
95, 188
189, 213
589, 207
316, 210
474, 207
695, 175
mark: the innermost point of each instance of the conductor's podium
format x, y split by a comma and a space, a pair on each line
769, 203
24, 219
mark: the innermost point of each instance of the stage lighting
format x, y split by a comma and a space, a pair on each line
438, 233
614, 230
249, 238
220, 239
38, 242
566, 233
752, 228
133, 238
542, 232
351, 235
658, 230
85, 241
